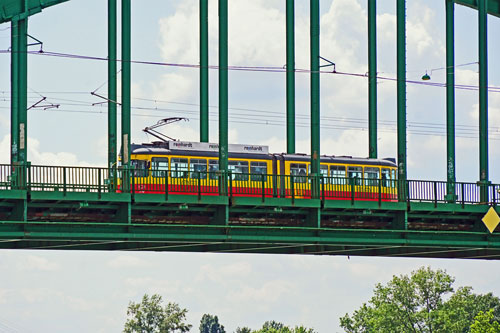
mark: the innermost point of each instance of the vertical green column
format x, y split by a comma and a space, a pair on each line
112, 93
372, 79
314, 216
14, 86
290, 76
23, 90
222, 213
315, 88
223, 87
204, 121
126, 78
401, 88
483, 98
450, 99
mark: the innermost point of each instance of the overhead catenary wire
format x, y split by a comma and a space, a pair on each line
250, 69
245, 120
265, 113
269, 114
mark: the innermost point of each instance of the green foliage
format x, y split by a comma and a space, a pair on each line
484, 323
210, 324
243, 330
271, 326
152, 317
275, 327
416, 303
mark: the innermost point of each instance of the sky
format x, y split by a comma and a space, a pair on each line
89, 291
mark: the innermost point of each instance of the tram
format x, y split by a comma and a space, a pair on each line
180, 167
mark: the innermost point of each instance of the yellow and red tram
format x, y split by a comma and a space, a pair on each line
192, 167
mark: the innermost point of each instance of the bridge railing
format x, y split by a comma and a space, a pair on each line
465, 193
201, 182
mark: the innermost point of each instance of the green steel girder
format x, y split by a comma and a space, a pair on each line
244, 239
61, 200
13, 9
493, 5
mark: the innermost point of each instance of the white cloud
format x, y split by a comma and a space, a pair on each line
37, 263
127, 261
175, 87
270, 292
37, 157
224, 273
149, 285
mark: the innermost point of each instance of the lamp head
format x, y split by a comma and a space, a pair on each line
426, 77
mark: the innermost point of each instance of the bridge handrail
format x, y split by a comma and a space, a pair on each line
201, 182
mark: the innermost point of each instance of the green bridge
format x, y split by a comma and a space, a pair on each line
55, 207
48, 207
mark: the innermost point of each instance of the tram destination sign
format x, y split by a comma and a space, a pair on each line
214, 147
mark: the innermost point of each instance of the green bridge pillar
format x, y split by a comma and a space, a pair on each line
372, 78
450, 100
401, 222
23, 91
222, 215
223, 86
124, 211
401, 88
204, 89
483, 99
19, 112
126, 78
314, 218
290, 76
14, 86
112, 90
315, 88
19, 100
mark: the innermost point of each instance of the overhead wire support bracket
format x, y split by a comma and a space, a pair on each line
45, 106
93, 93
37, 42
330, 64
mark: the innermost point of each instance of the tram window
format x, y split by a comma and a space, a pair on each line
179, 168
159, 166
239, 170
140, 167
213, 167
394, 178
323, 171
337, 172
386, 177
300, 170
198, 167
257, 169
371, 176
355, 173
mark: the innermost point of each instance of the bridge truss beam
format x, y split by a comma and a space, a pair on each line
78, 235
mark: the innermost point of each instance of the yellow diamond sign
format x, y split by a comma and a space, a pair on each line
491, 219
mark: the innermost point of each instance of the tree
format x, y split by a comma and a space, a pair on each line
276, 327
210, 324
152, 317
416, 303
273, 326
243, 330
484, 323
